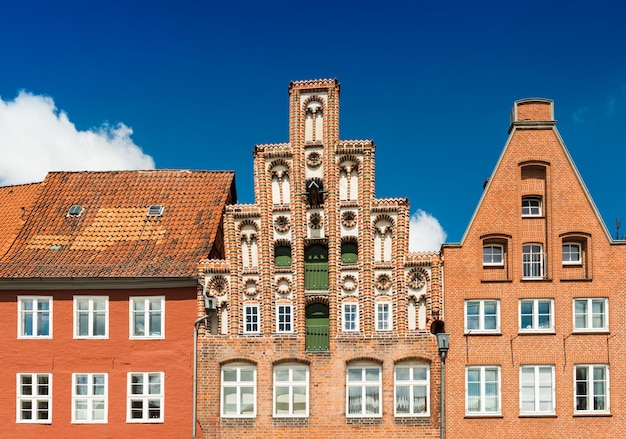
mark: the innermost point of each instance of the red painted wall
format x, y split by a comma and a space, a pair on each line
63, 355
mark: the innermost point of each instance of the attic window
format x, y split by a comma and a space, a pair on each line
155, 210
75, 210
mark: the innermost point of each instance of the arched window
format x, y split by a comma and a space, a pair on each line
317, 324
349, 252
316, 267
282, 256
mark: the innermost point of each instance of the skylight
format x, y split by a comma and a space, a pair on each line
75, 210
155, 210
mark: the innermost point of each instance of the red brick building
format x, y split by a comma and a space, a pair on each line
322, 318
99, 288
534, 300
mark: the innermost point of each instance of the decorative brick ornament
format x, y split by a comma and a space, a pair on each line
315, 221
416, 278
218, 285
383, 282
314, 160
348, 219
281, 224
251, 288
283, 286
349, 283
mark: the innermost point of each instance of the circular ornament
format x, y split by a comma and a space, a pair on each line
281, 224
250, 287
314, 160
383, 282
416, 279
349, 283
315, 221
283, 286
348, 219
218, 284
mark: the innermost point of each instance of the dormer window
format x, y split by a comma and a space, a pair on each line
155, 210
75, 211
531, 206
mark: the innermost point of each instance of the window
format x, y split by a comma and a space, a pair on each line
492, 255
147, 317
284, 318
531, 206
282, 256
291, 391
536, 315
412, 387
89, 397
350, 317
251, 315
34, 317
532, 261
238, 390
91, 317
349, 253
536, 390
383, 316
482, 316
572, 254
591, 315
363, 391
145, 397
592, 388
316, 267
482, 386
34, 398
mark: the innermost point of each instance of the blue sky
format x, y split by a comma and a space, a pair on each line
195, 85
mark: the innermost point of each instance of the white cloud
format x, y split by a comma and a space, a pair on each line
425, 232
36, 137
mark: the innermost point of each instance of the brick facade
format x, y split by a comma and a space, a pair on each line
318, 245
535, 240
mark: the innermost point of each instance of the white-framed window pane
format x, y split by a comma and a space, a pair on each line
482, 390
238, 390
145, 397
531, 206
91, 316
89, 397
291, 390
363, 391
571, 254
482, 316
147, 317
412, 387
34, 317
536, 314
532, 261
383, 316
493, 255
592, 388
591, 314
34, 398
251, 314
537, 390
350, 317
284, 318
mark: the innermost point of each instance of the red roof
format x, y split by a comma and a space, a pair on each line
113, 237
16, 202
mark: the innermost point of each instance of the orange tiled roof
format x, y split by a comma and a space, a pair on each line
16, 202
113, 237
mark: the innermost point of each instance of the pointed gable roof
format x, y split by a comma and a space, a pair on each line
113, 236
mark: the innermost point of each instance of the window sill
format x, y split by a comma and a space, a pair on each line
538, 415
592, 415
470, 333
535, 279
581, 279
485, 416
591, 332
495, 281
536, 332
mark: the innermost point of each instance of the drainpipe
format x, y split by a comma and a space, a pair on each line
195, 373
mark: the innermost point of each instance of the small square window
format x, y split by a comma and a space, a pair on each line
591, 315
572, 254
147, 317
493, 255
536, 315
251, 315
531, 206
482, 316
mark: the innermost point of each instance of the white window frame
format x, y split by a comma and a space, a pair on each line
535, 314
91, 312
491, 256
35, 314
34, 397
532, 206
359, 381
90, 398
239, 385
589, 315
569, 260
145, 314
533, 259
252, 319
482, 317
148, 394
541, 394
350, 316
284, 318
482, 410
591, 386
294, 379
383, 316
406, 387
